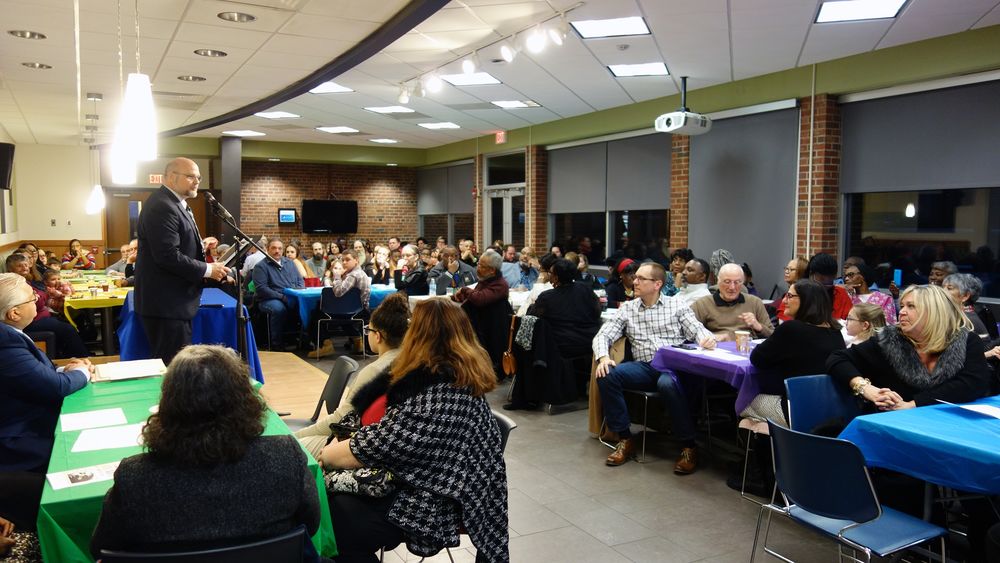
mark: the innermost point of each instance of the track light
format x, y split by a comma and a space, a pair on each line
433, 84
507, 52
557, 32
535, 41
469, 64
404, 94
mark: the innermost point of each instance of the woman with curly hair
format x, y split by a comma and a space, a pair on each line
208, 477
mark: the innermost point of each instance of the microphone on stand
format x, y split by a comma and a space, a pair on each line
219, 209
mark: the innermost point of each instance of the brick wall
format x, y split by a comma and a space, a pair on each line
386, 196
821, 236
435, 226
465, 226
536, 201
477, 204
679, 167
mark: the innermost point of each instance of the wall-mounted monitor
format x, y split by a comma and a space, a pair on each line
286, 216
329, 216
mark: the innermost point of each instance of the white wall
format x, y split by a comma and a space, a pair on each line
53, 182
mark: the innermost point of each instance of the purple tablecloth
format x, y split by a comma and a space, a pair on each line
738, 373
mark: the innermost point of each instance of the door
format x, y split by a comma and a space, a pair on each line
505, 210
122, 217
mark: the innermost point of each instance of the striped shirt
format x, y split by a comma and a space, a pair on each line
666, 323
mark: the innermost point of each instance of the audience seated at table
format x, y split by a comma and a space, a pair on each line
429, 257
858, 280
77, 258
863, 322
68, 341
208, 478
528, 272
794, 271
349, 278
253, 258
491, 287
118, 268
542, 284
57, 291
748, 279
292, 253
964, 289
317, 262
694, 282
450, 272
583, 276
380, 269
37, 257
940, 270
678, 259
822, 268
730, 309
650, 322
620, 287
270, 280
467, 251
333, 250
362, 251
410, 275
719, 258
394, 244
439, 437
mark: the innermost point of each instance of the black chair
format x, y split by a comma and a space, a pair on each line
341, 372
286, 548
825, 486
492, 325
345, 310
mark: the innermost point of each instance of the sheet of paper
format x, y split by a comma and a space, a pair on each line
988, 410
92, 419
83, 475
127, 436
117, 371
719, 354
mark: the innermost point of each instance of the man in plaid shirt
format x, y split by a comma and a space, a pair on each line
650, 322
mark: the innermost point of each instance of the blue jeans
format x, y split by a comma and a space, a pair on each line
641, 376
277, 313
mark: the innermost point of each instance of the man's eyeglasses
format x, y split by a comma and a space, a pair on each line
734, 283
642, 278
789, 270
192, 177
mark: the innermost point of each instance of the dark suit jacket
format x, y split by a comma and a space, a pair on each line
31, 394
170, 267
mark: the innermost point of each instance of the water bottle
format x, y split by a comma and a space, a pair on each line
433, 287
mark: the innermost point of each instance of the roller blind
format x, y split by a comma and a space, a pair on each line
460, 183
577, 178
432, 191
639, 173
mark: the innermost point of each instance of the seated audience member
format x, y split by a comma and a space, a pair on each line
270, 280
68, 341
333, 250
118, 268
351, 277
863, 322
317, 263
210, 245
362, 251
385, 332
620, 287
77, 258
556, 250
730, 310
205, 447
468, 254
394, 243
822, 268
941, 270
253, 258
858, 280
694, 282
420, 243
794, 271
441, 242
719, 258
334, 269
852, 261
748, 277
964, 289
37, 256
542, 284
583, 276
380, 269
930, 354
678, 260
650, 322
411, 277
292, 253
528, 272
439, 437
509, 254
491, 286
429, 258
18, 545
799, 346
133, 253
57, 291
55, 264
571, 309
450, 272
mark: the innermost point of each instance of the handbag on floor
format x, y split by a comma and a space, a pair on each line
509, 362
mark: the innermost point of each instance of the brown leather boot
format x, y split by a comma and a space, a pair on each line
624, 451
687, 462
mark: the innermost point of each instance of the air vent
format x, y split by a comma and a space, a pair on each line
468, 107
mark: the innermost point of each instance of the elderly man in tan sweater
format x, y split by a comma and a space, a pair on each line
730, 309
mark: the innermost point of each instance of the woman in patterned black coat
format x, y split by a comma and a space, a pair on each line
441, 443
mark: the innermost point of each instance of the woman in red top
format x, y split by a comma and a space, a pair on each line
77, 258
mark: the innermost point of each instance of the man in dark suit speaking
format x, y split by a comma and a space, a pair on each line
171, 267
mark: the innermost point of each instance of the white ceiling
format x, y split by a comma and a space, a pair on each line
711, 41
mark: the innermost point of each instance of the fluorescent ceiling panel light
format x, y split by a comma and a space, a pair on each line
243, 133
390, 109
384, 141
474, 79
515, 104
642, 69
276, 115
338, 129
329, 88
617, 27
440, 125
855, 10
391, 164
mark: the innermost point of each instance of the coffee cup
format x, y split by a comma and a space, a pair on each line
743, 341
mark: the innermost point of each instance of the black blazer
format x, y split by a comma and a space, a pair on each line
170, 267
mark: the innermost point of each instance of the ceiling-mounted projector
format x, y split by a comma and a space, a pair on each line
682, 121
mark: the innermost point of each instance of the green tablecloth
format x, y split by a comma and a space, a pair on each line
67, 517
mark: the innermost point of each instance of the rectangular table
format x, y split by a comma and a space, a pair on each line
215, 323
941, 444
307, 299
724, 364
67, 517
106, 302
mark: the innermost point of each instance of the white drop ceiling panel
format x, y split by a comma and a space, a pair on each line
992, 18
365, 10
923, 19
828, 41
221, 37
767, 35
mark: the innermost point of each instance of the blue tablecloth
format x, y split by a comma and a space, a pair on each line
212, 325
941, 444
307, 299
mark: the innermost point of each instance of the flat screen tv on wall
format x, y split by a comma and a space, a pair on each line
329, 216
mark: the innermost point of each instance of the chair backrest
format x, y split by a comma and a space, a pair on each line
286, 548
825, 476
340, 374
506, 424
816, 399
347, 305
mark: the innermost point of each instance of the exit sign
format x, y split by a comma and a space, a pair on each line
156, 178
500, 137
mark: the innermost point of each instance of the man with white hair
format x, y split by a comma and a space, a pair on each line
730, 309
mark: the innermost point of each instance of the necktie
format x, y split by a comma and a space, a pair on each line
193, 222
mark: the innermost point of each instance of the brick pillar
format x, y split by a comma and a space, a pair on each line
816, 226
477, 204
536, 200
679, 166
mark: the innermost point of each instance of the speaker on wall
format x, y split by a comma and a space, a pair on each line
6, 164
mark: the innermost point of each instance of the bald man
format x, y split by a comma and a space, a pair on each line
171, 267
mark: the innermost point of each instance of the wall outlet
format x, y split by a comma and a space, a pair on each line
52, 223
68, 223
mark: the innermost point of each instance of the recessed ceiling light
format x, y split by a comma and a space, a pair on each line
642, 69
276, 115
91, 116
384, 141
94, 96
338, 129
617, 27
211, 53
390, 109
440, 125
37, 66
90, 128
855, 10
515, 104
473, 79
391, 164
243, 133
237, 17
191, 78
329, 88
25, 34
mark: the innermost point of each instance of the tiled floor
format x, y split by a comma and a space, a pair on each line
566, 505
